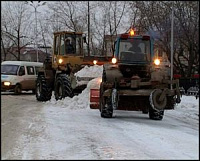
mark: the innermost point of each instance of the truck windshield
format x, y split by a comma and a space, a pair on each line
9, 69
134, 50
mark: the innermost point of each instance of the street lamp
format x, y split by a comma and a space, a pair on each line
35, 6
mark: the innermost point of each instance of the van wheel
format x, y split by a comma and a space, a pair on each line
43, 93
63, 87
18, 89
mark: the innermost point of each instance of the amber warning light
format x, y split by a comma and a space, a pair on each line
132, 32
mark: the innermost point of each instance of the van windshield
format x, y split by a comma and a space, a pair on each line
9, 69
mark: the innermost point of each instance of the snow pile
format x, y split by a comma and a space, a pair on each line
92, 71
82, 100
187, 109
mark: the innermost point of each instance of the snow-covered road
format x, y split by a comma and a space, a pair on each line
69, 129
47, 131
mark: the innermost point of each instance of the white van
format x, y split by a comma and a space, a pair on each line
19, 75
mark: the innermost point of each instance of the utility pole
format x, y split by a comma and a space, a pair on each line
172, 42
88, 28
35, 8
36, 32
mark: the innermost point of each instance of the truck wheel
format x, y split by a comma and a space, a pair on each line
63, 87
18, 89
155, 115
43, 93
105, 104
106, 109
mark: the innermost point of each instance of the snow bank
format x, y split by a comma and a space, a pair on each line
82, 100
187, 109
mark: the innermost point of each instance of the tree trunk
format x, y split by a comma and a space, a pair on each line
18, 45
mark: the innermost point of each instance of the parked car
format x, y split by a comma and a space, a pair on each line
19, 75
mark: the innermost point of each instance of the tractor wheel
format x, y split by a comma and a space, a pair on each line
43, 93
171, 102
156, 109
155, 115
105, 104
18, 89
106, 109
63, 87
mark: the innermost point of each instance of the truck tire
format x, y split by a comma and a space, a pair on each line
106, 112
155, 115
63, 87
18, 89
43, 93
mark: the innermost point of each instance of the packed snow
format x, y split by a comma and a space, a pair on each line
90, 71
87, 73
80, 101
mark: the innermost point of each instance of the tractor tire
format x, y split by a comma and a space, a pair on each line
171, 102
18, 89
43, 92
63, 87
155, 115
106, 111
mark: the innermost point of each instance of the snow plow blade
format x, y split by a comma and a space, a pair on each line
94, 98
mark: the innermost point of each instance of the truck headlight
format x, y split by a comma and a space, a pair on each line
114, 60
6, 83
157, 62
94, 62
60, 61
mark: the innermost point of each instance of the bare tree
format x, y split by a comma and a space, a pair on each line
16, 24
156, 15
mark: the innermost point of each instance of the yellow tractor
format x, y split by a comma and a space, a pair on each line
58, 71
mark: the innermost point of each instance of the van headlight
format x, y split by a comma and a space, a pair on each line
6, 83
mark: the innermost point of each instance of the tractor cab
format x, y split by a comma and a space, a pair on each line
133, 54
133, 49
67, 49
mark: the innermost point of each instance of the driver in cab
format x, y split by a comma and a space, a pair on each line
69, 47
